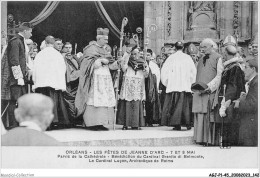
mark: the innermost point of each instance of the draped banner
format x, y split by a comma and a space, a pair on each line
107, 19
46, 12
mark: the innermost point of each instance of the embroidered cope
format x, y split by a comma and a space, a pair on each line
133, 87
102, 93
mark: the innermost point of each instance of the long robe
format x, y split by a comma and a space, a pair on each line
152, 104
178, 73
95, 98
72, 82
49, 79
234, 79
132, 96
209, 71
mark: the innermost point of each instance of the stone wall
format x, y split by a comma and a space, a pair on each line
4, 16
238, 18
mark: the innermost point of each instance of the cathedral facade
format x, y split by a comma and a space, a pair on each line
192, 21
188, 21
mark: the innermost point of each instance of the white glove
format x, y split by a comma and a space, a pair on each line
236, 103
224, 106
30, 73
222, 111
79, 54
20, 81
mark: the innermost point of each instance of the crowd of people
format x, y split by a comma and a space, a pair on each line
211, 88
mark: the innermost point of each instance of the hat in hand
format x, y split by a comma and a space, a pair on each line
198, 86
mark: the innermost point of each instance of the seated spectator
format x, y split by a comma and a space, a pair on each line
34, 114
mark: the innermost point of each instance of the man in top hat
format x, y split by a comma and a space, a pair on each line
95, 98
177, 75
193, 52
247, 105
17, 51
209, 72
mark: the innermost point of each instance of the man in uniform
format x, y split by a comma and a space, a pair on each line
16, 52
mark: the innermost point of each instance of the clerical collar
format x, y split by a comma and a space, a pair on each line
30, 125
20, 35
251, 79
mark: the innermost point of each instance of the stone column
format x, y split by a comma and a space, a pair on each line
159, 21
245, 20
229, 16
255, 18
176, 29
221, 19
4, 16
148, 20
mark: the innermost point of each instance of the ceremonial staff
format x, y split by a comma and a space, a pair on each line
150, 29
76, 48
124, 23
222, 119
114, 52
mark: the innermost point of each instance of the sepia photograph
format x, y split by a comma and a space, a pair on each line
129, 89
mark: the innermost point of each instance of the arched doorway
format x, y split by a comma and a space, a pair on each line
77, 21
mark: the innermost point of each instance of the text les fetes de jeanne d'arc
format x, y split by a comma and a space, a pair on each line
130, 156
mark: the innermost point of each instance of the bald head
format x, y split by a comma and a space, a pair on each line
36, 108
231, 50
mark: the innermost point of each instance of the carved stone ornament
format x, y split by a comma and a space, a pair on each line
169, 18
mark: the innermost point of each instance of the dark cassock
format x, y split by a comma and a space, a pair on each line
178, 74
152, 103
209, 72
132, 92
233, 82
72, 82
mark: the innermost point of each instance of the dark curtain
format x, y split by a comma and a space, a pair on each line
77, 21
133, 10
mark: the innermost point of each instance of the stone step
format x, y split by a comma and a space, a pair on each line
147, 137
